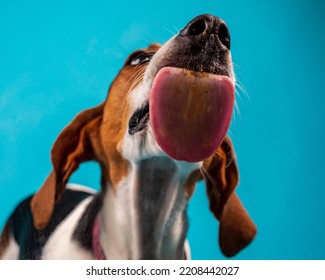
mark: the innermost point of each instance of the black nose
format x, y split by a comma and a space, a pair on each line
203, 27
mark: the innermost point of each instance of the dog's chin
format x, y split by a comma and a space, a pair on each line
140, 145
143, 145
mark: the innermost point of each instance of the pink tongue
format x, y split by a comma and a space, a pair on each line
190, 112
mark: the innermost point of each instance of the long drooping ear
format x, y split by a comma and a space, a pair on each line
76, 143
236, 228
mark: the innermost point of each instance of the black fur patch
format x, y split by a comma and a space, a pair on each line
83, 232
30, 240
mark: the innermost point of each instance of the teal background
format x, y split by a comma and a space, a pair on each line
59, 58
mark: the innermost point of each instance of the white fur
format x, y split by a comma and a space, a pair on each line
118, 228
77, 187
187, 250
61, 245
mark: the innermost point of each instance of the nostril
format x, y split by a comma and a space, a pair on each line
207, 31
224, 36
197, 27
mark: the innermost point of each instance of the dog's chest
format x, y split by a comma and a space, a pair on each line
144, 216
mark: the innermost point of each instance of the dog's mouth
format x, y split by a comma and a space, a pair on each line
139, 119
189, 112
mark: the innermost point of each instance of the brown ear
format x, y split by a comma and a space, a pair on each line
76, 143
236, 228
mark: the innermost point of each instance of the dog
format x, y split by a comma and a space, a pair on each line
161, 129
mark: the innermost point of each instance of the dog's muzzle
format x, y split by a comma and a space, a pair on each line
139, 119
192, 97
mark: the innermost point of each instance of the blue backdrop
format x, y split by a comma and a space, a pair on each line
57, 59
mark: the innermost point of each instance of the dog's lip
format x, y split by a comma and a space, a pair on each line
139, 119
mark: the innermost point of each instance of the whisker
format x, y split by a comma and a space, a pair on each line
235, 64
230, 134
237, 110
134, 74
133, 77
240, 86
203, 172
220, 155
139, 76
169, 30
177, 30
238, 93
207, 176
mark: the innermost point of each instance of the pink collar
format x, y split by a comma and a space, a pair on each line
96, 247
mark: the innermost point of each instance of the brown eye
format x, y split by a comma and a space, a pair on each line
138, 58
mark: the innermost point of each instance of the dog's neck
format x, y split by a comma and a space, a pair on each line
145, 216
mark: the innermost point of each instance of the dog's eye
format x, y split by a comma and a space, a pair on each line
138, 58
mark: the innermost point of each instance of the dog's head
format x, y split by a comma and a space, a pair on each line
173, 100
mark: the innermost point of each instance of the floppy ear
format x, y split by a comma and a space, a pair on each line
76, 143
236, 228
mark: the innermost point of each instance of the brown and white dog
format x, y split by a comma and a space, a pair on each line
161, 129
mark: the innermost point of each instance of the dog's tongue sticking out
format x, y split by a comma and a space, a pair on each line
190, 112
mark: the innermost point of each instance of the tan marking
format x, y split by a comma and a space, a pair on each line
95, 134
116, 117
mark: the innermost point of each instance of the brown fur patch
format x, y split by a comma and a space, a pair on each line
4, 240
116, 116
72, 147
94, 134
236, 229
